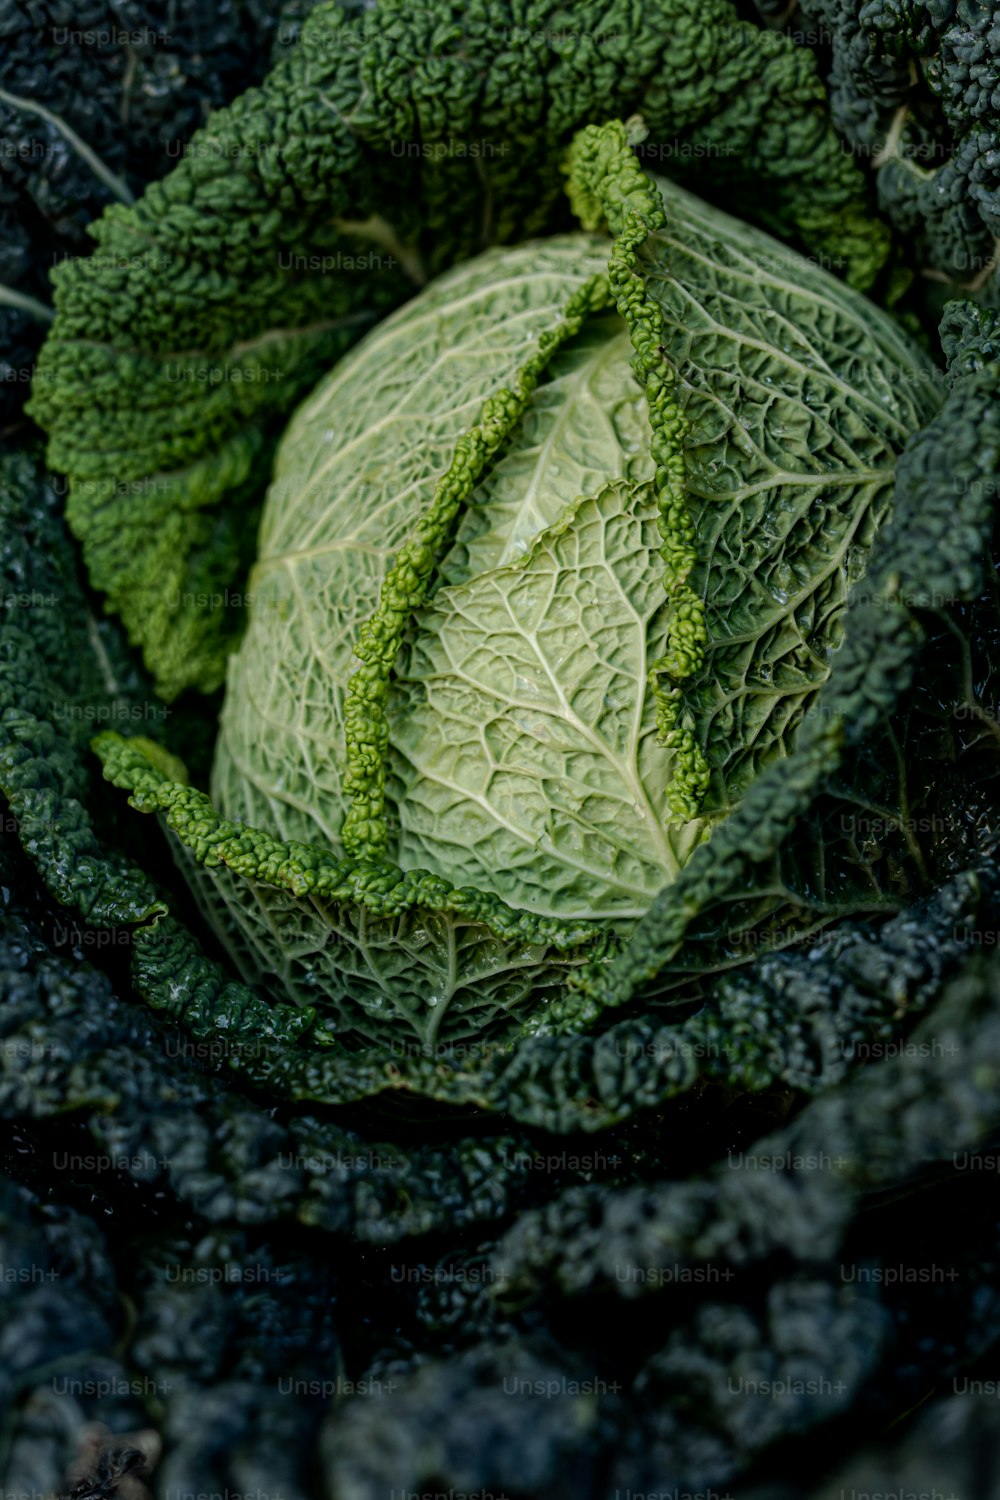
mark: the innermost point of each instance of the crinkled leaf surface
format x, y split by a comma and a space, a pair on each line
526, 752
523, 762
357, 466
800, 400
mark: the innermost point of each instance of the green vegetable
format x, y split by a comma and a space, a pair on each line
708, 1163
582, 636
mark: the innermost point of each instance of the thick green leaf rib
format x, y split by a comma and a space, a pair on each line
457, 961
604, 174
365, 833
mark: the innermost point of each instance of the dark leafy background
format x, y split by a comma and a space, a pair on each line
133, 81
211, 1282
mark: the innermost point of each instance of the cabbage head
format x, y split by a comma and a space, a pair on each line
552, 565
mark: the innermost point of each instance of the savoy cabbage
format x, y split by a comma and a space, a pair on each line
588, 514
603, 787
